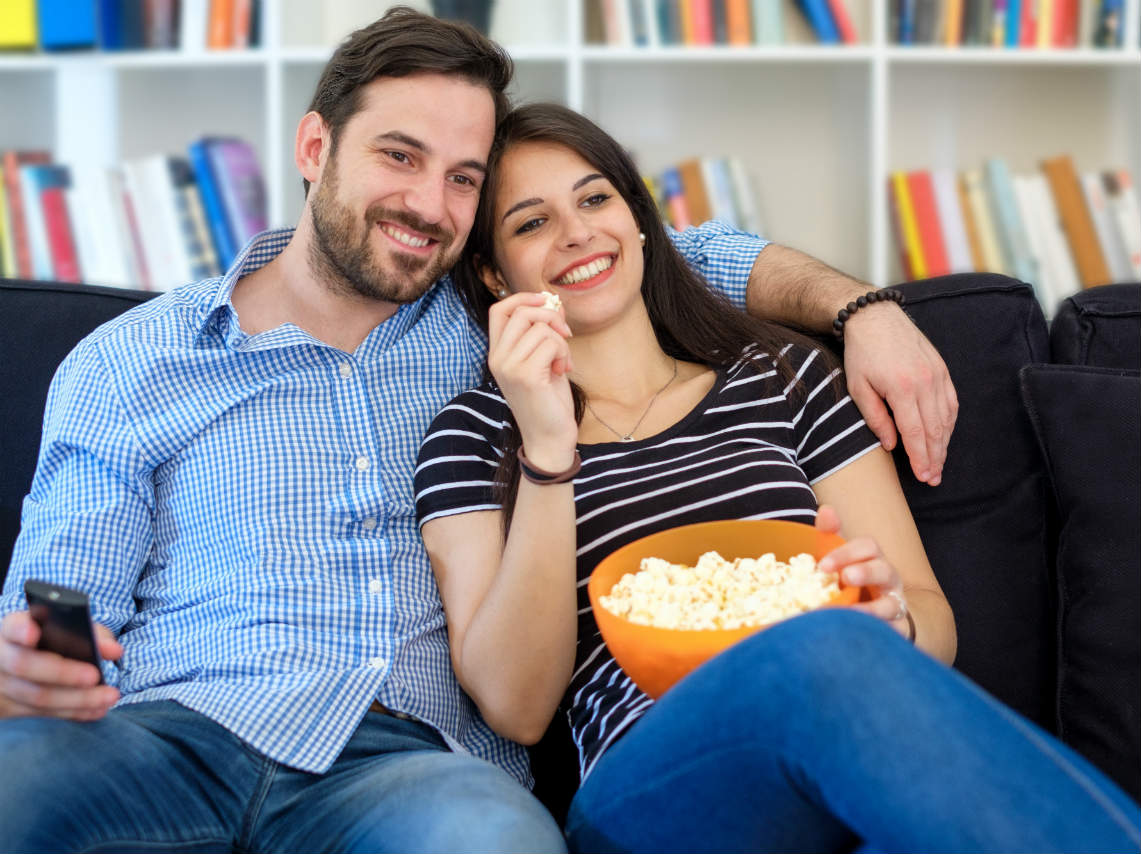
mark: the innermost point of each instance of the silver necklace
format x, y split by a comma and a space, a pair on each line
629, 437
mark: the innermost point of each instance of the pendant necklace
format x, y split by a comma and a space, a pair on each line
629, 437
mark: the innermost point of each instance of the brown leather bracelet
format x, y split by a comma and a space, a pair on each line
546, 478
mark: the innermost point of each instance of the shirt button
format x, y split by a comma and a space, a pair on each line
375, 585
362, 463
377, 662
345, 369
368, 523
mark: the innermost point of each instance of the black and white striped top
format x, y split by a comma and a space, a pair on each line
746, 451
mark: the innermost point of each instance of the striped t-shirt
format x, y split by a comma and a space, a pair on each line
749, 450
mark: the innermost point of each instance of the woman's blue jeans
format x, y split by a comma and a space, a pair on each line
829, 732
158, 777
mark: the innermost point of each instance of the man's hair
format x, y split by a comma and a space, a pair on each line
402, 43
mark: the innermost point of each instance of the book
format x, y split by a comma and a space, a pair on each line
13, 161
701, 21
1063, 274
1076, 221
7, 249
993, 259
1013, 35
978, 262
1109, 30
225, 248
843, 21
693, 188
955, 239
818, 15
737, 22
18, 25
96, 223
220, 25
66, 25
953, 23
1036, 237
160, 24
34, 179
1122, 198
922, 193
234, 165
156, 220
57, 223
121, 25
768, 22
1045, 23
715, 177
1108, 236
685, 22
1008, 222
195, 233
674, 196
907, 230
720, 22
192, 24
745, 197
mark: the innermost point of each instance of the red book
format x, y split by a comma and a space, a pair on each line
1065, 23
927, 219
1028, 25
702, 11
843, 21
13, 160
61, 241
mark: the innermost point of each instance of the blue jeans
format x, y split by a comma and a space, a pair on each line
160, 777
829, 732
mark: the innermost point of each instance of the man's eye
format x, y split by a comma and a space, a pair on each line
398, 156
463, 180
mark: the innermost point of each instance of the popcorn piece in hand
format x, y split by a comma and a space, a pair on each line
551, 301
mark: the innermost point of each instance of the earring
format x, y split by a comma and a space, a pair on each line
642, 237
503, 293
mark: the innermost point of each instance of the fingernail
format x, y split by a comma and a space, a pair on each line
925, 476
825, 565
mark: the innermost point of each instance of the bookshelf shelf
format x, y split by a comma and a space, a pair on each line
820, 127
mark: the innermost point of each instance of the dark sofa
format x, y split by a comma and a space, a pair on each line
1033, 533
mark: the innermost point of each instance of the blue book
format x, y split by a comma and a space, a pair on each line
820, 17
66, 24
1014, 21
907, 22
1011, 230
224, 242
121, 24
34, 179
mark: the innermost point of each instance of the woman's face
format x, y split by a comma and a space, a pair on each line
560, 226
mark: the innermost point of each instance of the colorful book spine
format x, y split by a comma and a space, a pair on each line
1123, 202
1076, 221
57, 223
7, 247
693, 186
977, 197
225, 245
674, 194
951, 218
18, 25
926, 213
33, 179
65, 24
820, 18
843, 21
242, 188
1011, 232
914, 265
17, 209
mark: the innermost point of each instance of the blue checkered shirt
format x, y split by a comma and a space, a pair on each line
239, 508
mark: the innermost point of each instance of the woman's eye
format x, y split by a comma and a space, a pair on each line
595, 199
529, 225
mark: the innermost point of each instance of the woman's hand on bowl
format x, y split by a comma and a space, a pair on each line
860, 562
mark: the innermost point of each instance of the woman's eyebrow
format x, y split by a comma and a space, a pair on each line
581, 182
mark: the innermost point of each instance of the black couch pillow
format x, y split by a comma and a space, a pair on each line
984, 526
1099, 326
1088, 421
40, 322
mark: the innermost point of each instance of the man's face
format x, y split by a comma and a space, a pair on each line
397, 196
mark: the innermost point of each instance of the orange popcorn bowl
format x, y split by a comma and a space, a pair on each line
657, 658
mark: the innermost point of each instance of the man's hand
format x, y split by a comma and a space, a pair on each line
888, 360
43, 684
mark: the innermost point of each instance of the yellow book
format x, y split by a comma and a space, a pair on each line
1045, 23
685, 18
952, 22
17, 24
908, 227
979, 200
7, 248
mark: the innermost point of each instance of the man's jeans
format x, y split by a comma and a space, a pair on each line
829, 732
160, 777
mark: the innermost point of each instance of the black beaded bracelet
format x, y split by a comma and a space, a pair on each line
878, 295
545, 478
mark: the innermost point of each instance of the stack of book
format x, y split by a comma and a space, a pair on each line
703, 188
1058, 229
1007, 23
150, 223
190, 25
655, 23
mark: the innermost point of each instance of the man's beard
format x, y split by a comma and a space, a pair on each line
343, 254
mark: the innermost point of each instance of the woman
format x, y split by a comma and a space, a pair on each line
646, 403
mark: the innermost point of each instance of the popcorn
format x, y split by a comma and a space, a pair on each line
551, 301
719, 594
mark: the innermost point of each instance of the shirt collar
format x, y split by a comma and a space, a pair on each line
261, 249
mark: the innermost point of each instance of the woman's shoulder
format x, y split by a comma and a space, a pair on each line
482, 411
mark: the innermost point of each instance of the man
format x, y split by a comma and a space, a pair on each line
227, 471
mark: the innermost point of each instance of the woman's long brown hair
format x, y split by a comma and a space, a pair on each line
691, 321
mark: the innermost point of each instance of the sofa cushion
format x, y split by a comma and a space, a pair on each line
1099, 326
985, 526
1088, 421
40, 322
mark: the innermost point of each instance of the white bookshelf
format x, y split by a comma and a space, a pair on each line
820, 127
